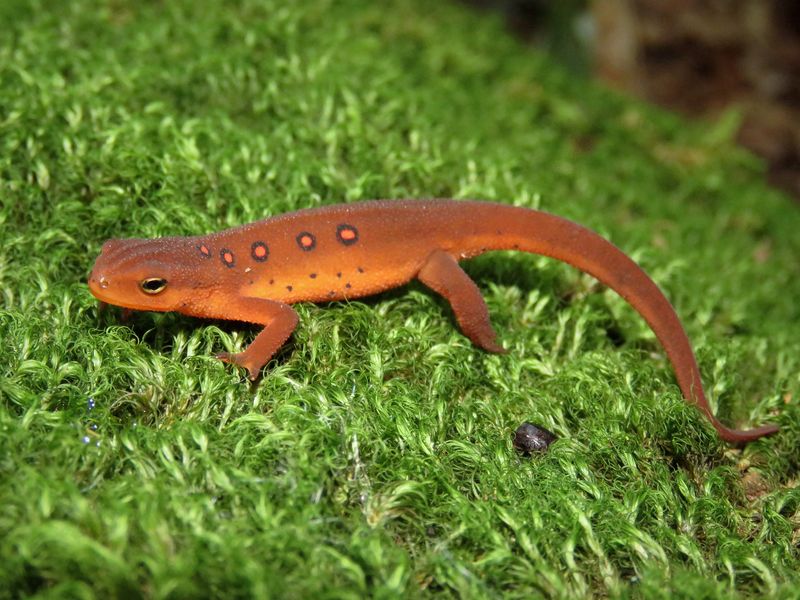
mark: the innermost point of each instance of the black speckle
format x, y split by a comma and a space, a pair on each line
331, 294
531, 438
515, 246
360, 269
347, 285
290, 288
271, 281
252, 282
312, 275
339, 274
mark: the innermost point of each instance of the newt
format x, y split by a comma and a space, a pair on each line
255, 272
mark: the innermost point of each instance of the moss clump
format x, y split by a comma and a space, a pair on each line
375, 457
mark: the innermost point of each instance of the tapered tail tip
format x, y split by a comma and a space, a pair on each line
742, 437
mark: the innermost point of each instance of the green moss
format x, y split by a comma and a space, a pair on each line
375, 456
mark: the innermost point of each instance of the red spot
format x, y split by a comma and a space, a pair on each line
306, 240
347, 234
228, 258
204, 251
259, 251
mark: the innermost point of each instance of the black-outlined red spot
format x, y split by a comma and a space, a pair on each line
346, 234
228, 258
203, 250
259, 251
306, 241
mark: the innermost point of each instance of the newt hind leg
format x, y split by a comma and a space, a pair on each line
443, 275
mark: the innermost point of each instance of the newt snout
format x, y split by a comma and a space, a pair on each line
98, 282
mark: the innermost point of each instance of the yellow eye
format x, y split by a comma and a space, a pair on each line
153, 285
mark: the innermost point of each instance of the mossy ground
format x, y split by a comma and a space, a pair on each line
375, 455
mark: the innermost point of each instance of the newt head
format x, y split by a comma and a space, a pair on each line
143, 274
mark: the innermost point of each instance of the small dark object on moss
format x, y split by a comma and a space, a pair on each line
531, 438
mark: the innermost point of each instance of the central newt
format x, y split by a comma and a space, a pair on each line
253, 273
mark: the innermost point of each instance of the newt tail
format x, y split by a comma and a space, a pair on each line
254, 273
549, 235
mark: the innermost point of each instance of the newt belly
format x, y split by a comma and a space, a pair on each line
253, 273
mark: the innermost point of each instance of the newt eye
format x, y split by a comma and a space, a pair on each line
153, 285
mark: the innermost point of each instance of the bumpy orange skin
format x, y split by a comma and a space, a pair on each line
255, 272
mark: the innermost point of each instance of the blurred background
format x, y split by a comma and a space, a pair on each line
707, 59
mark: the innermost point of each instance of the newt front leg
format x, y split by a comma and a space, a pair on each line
279, 322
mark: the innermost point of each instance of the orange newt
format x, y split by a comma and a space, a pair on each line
253, 273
